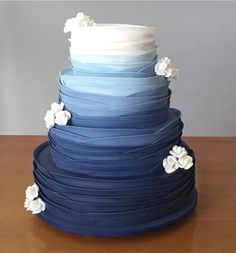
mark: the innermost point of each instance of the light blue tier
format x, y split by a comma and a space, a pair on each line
125, 101
147, 68
113, 84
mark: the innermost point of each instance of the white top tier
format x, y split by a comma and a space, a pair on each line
89, 38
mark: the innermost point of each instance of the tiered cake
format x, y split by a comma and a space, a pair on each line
114, 163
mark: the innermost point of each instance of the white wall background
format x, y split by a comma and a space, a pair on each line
200, 38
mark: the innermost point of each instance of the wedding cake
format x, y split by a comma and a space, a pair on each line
114, 163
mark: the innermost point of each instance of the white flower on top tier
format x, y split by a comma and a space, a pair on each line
179, 158
79, 20
32, 192
185, 162
163, 68
178, 151
32, 202
56, 115
170, 164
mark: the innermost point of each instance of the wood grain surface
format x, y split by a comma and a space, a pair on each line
210, 228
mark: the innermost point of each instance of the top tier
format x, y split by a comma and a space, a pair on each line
89, 38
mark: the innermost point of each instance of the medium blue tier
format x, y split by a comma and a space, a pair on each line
102, 173
114, 152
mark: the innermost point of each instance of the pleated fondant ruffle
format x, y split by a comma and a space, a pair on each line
100, 203
83, 61
132, 151
102, 171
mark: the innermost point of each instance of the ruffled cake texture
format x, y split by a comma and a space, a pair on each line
102, 173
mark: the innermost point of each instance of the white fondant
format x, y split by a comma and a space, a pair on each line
108, 39
170, 164
35, 206
32, 192
178, 151
163, 68
62, 117
79, 20
185, 162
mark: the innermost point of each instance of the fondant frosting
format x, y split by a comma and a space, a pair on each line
109, 43
112, 39
104, 171
108, 204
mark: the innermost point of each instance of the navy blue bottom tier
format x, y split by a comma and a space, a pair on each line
112, 206
158, 224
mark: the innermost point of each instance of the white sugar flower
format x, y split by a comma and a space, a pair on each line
36, 206
163, 68
179, 158
84, 20
49, 119
26, 203
32, 192
62, 117
69, 25
56, 115
170, 164
178, 151
55, 107
80, 20
185, 162
32, 202
162, 65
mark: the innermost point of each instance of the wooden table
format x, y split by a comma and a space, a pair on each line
211, 228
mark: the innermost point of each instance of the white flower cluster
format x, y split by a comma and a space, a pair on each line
56, 115
79, 20
163, 68
179, 158
32, 202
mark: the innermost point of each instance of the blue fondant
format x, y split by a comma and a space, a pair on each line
102, 173
94, 204
106, 202
187, 207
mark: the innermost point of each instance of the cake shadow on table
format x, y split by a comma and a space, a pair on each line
114, 163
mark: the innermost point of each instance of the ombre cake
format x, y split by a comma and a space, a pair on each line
114, 163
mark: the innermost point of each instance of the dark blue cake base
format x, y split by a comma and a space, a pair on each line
179, 215
74, 211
